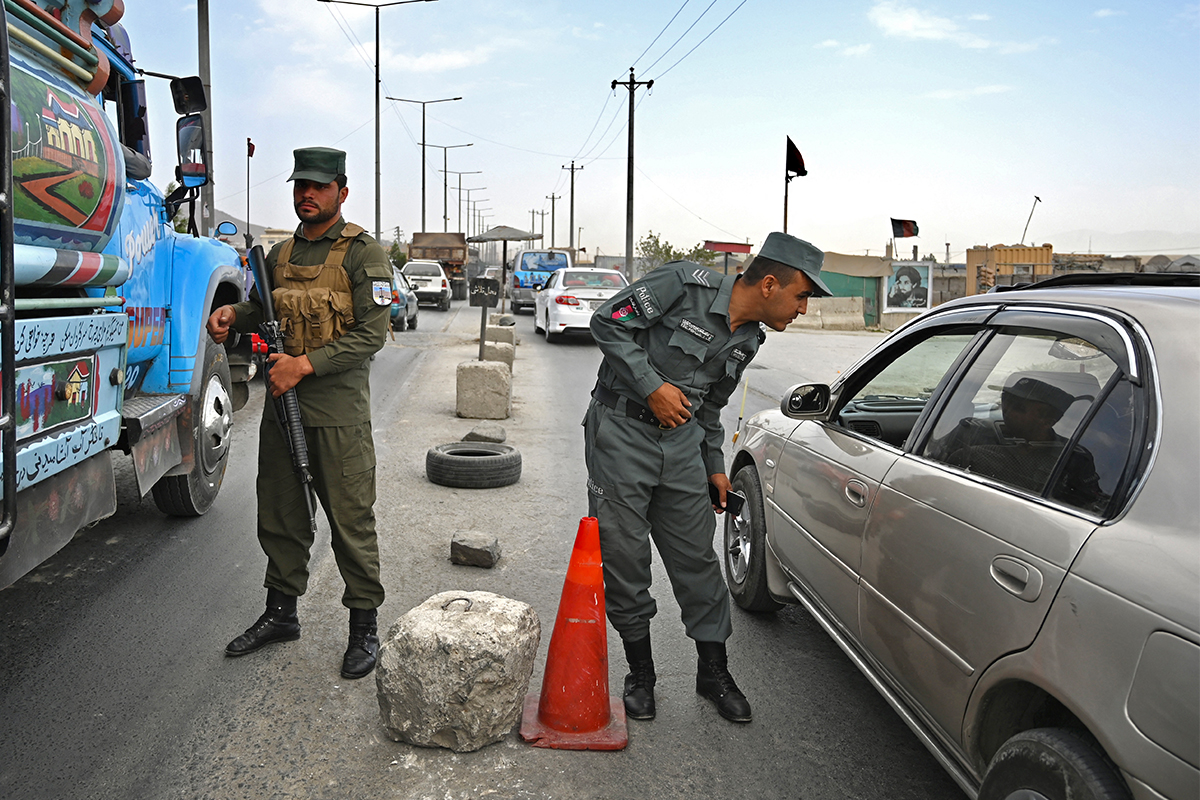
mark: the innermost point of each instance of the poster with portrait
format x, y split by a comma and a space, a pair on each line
908, 286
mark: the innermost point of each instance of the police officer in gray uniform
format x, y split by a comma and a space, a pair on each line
675, 344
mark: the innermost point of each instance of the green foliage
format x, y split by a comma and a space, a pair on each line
179, 221
397, 254
655, 251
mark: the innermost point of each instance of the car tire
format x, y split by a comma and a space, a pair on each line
473, 465
400, 323
551, 336
516, 309
536, 327
192, 494
745, 550
412, 323
444, 304
1051, 763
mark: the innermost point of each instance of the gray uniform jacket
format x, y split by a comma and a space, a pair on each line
672, 326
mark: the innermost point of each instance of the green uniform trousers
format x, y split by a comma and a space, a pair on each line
647, 483
343, 468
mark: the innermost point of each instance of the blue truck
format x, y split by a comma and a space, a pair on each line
103, 303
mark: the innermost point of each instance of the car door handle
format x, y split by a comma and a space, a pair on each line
1017, 578
856, 492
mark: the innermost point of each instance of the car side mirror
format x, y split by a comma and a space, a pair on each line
806, 401
537, 287
227, 228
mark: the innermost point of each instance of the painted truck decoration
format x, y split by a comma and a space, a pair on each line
107, 340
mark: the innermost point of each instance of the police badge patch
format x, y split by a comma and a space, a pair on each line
381, 293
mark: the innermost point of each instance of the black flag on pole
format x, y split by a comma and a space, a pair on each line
902, 228
795, 161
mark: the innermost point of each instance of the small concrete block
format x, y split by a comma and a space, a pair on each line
475, 549
484, 390
487, 432
501, 333
499, 351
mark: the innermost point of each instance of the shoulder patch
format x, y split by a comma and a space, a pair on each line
702, 276
647, 304
381, 292
626, 311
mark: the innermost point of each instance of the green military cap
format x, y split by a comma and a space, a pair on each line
797, 254
318, 164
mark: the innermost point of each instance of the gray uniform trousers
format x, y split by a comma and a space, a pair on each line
647, 483
343, 468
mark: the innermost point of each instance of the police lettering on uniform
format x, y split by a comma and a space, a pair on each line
332, 295
675, 344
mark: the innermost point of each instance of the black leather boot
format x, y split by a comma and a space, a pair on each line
714, 682
278, 624
363, 649
639, 683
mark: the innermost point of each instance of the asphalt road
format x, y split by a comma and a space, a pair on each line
113, 683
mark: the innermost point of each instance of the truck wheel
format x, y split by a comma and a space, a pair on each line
473, 465
746, 547
193, 494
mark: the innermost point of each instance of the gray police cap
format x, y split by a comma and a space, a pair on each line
797, 254
318, 164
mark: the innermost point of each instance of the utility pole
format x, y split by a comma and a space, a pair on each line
207, 212
532, 214
543, 214
552, 198
571, 230
632, 86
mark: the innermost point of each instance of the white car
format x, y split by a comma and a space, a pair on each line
570, 296
429, 281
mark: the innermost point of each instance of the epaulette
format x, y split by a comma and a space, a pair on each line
700, 276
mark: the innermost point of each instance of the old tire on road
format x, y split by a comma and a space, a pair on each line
473, 465
192, 494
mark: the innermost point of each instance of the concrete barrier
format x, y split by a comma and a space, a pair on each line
484, 389
499, 351
501, 333
831, 314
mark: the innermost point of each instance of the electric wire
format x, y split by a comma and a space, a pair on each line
685, 33
660, 33
685, 208
702, 41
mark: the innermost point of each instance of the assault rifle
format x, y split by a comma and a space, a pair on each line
287, 406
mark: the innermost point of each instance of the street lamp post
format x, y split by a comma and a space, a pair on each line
446, 181
460, 190
423, 104
376, 6
470, 213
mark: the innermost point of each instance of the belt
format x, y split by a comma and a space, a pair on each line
633, 409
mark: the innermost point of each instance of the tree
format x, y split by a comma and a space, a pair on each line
654, 252
397, 254
179, 222
929, 257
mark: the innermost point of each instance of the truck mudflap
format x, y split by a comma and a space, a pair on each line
53, 510
151, 435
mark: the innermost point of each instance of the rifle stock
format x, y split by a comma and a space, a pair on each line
287, 405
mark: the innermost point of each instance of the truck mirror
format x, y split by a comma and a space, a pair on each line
193, 164
227, 228
188, 94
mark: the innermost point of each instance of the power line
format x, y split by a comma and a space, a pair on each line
685, 208
660, 33
702, 41
685, 33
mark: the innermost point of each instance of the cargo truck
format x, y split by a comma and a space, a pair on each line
103, 305
450, 249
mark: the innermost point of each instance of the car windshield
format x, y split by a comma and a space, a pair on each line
593, 280
543, 261
424, 270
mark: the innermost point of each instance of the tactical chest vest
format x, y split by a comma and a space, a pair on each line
315, 305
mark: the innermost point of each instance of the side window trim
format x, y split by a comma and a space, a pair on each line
1130, 361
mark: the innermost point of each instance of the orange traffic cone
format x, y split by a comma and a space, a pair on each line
574, 711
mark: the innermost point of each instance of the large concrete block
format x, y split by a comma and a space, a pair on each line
484, 390
501, 333
453, 672
499, 351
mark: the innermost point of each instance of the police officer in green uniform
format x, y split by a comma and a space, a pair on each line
332, 290
675, 344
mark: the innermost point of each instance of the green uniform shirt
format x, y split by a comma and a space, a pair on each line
339, 390
672, 326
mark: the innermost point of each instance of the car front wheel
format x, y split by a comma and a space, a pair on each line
745, 547
1051, 764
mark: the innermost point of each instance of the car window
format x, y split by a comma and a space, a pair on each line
542, 261
552, 281
1014, 414
424, 270
888, 405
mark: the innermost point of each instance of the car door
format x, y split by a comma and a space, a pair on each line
974, 528
542, 297
829, 473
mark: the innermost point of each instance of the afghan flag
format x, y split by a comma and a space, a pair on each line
903, 228
795, 161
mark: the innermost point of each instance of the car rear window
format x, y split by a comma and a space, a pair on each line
424, 270
593, 280
542, 261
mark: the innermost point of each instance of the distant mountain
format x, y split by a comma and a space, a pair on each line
1137, 243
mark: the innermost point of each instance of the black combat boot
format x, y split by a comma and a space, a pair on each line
277, 624
714, 682
639, 683
363, 649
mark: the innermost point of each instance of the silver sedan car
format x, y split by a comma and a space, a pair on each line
996, 515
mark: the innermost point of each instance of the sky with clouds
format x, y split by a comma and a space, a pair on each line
954, 114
